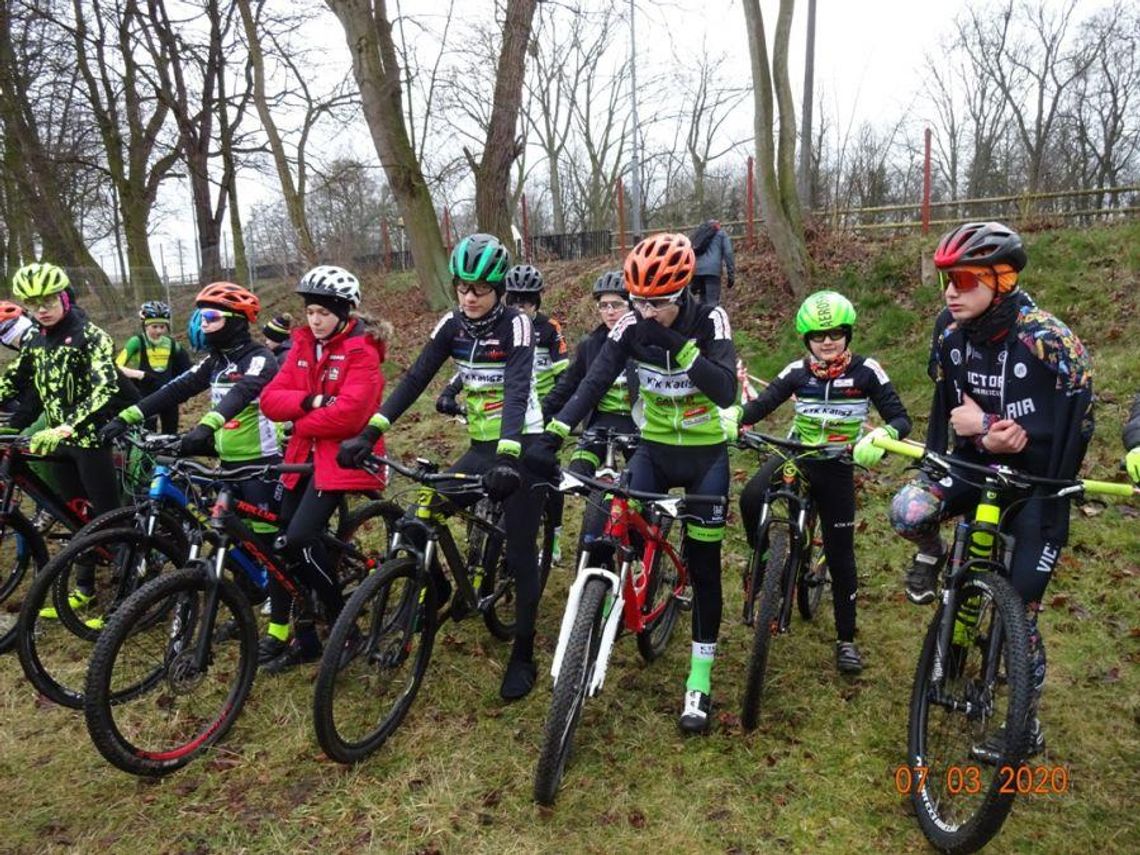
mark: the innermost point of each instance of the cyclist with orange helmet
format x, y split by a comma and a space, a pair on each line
686, 367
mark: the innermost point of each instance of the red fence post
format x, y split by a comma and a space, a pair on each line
751, 203
621, 215
386, 260
926, 186
445, 227
526, 231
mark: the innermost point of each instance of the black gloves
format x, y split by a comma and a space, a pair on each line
448, 406
113, 430
503, 478
650, 333
355, 451
542, 457
199, 440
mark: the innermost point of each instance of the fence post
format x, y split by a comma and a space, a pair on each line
926, 185
750, 201
386, 258
526, 231
446, 228
621, 215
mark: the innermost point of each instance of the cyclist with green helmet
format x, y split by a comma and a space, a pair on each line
834, 389
154, 358
492, 345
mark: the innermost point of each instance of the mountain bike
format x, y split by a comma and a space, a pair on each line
158, 693
784, 565
634, 579
973, 683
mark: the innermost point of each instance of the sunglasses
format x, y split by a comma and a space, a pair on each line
966, 280
827, 335
655, 303
612, 305
465, 288
212, 316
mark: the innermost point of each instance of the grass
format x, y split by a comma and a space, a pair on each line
816, 776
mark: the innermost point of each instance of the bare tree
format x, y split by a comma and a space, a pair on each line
708, 106
775, 161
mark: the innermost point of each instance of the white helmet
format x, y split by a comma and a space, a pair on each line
330, 281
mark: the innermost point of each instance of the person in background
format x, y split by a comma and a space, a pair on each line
1131, 437
713, 248
153, 358
277, 335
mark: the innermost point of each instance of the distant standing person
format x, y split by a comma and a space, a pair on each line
713, 247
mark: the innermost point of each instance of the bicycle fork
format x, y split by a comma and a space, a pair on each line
610, 628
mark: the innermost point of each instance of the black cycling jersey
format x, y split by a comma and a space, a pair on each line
1131, 433
618, 398
497, 371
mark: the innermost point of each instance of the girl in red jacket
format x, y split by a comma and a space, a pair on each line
329, 386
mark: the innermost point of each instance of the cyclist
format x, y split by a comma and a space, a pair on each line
153, 358
833, 390
328, 387
67, 366
15, 328
277, 335
686, 366
1015, 385
1131, 437
493, 347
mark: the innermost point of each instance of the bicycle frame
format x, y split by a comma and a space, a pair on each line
15, 473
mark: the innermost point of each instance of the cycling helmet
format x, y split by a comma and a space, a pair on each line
154, 312
825, 310
980, 245
330, 281
194, 332
480, 258
14, 325
524, 279
227, 295
610, 282
659, 266
35, 281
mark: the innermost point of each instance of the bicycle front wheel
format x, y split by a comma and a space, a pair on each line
977, 706
766, 622
22, 555
58, 631
661, 606
153, 701
374, 661
578, 662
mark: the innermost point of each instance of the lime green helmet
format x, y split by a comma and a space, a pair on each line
480, 258
35, 281
825, 310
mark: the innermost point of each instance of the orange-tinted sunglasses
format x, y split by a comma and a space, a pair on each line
966, 280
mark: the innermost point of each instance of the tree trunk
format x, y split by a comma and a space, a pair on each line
377, 72
776, 175
492, 177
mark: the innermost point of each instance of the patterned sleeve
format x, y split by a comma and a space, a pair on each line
104, 378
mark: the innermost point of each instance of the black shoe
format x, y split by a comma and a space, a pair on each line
294, 655
847, 658
991, 749
922, 578
518, 679
269, 648
695, 717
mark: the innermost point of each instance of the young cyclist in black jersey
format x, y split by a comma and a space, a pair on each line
493, 346
686, 368
834, 389
1014, 384
152, 358
1131, 437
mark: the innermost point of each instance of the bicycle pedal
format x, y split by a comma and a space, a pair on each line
684, 602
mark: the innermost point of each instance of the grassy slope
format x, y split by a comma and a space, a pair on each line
817, 776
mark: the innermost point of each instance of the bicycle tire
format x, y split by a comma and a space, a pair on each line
22, 548
661, 593
54, 652
594, 517
368, 527
126, 713
765, 623
941, 739
569, 695
370, 641
811, 583
497, 580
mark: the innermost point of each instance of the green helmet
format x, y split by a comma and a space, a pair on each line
824, 310
480, 258
34, 281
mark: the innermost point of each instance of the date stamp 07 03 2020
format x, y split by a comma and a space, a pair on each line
968, 780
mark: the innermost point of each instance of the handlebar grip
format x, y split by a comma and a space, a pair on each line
897, 447
1110, 488
289, 468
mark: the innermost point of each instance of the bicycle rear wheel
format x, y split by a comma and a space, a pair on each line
374, 661
981, 697
367, 529
661, 595
56, 635
578, 662
150, 707
766, 622
23, 554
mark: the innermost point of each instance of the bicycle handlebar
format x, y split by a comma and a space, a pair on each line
375, 462
1007, 474
756, 440
240, 473
573, 482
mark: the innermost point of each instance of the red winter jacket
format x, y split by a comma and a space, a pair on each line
348, 376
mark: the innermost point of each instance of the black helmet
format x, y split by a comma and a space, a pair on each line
611, 282
154, 312
981, 244
524, 279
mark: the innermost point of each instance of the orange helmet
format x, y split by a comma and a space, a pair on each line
9, 311
227, 295
659, 266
